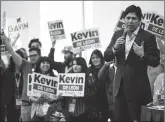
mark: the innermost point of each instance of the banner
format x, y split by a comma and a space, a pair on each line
71, 84
42, 84
85, 39
151, 22
56, 30
17, 31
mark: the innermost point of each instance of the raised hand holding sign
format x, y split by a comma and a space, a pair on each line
53, 43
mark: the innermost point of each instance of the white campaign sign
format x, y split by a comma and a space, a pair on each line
18, 32
43, 84
85, 39
56, 30
71, 84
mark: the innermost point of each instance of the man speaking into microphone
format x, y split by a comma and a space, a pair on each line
134, 49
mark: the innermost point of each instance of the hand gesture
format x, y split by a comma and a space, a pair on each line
53, 43
119, 42
80, 53
139, 50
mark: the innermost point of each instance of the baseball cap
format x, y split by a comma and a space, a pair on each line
67, 49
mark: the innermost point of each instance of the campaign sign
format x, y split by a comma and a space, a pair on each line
56, 30
151, 22
85, 39
17, 31
71, 84
18, 27
44, 84
156, 30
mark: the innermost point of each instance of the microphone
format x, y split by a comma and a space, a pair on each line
124, 36
124, 33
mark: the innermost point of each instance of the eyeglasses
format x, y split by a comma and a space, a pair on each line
95, 58
31, 56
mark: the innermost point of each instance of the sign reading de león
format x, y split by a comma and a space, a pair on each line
85, 39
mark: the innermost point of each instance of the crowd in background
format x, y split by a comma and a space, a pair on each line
115, 87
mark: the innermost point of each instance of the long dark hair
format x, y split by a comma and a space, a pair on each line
44, 59
99, 54
12, 64
81, 61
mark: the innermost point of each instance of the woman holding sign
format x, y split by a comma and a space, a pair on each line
95, 97
41, 105
11, 90
76, 105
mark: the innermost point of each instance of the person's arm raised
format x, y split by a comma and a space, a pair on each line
52, 50
17, 59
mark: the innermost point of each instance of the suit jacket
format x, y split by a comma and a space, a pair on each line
134, 69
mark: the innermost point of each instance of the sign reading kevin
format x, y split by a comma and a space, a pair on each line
44, 84
71, 84
56, 30
85, 39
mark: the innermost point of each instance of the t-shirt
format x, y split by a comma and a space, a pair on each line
26, 69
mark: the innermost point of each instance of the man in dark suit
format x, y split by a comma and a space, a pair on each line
134, 49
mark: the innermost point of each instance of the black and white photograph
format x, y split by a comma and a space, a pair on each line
82, 61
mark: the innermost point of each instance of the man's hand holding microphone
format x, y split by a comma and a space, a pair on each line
120, 42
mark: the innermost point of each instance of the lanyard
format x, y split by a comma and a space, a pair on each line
17, 79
